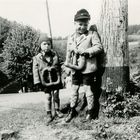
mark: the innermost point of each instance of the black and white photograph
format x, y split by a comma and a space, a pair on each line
69, 70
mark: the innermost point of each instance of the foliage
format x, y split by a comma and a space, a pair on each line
18, 44
133, 29
60, 47
4, 29
3, 79
19, 47
122, 105
134, 59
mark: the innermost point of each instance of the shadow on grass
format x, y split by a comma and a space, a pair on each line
32, 117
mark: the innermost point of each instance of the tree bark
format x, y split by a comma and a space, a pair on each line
113, 30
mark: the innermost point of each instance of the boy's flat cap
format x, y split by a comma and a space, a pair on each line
82, 14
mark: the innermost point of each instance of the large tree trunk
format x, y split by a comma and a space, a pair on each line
113, 30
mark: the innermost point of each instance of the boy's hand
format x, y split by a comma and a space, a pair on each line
67, 71
80, 51
66, 64
86, 54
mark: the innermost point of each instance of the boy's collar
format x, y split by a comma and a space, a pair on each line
80, 39
86, 32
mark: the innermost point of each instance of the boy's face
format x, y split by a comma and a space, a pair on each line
45, 46
81, 26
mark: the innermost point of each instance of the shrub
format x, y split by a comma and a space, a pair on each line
122, 105
4, 29
18, 49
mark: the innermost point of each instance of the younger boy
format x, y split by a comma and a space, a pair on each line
82, 48
47, 58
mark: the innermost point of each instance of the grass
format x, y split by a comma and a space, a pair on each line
30, 123
134, 57
133, 38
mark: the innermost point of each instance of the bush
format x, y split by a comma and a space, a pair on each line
18, 49
122, 105
4, 29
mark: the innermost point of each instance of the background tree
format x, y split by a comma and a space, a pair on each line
4, 29
18, 49
133, 29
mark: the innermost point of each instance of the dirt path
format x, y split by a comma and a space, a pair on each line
9, 101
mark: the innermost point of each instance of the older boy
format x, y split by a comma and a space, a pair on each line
82, 45
47, 58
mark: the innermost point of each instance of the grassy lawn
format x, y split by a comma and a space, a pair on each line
133, 38
29, 121
134, 57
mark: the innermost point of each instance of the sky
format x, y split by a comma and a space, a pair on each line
34, 13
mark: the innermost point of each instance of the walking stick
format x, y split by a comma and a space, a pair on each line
49, 23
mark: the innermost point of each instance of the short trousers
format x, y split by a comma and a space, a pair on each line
83, 79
